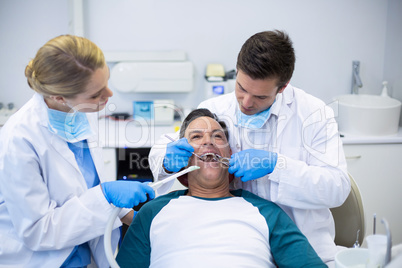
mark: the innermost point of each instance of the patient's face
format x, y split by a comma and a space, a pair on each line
207, 136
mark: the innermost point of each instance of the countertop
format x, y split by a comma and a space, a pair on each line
352, 139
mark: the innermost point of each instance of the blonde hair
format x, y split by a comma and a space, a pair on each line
64, 65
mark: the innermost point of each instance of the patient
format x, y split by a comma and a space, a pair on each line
208, 225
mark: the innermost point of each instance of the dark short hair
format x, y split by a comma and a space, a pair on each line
200, 113
268, 54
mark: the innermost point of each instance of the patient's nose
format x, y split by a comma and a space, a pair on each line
207, 140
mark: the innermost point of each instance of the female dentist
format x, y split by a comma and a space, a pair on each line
54, 200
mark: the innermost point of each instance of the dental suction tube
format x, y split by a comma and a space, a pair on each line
108, 238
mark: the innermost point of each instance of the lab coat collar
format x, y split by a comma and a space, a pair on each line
40, 108
93, 142
281, 108
233, 105
286, 97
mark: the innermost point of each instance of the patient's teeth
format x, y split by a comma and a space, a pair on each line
208, 157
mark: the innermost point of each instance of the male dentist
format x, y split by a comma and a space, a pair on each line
285, 142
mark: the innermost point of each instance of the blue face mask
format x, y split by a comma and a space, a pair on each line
71, 127
254, 121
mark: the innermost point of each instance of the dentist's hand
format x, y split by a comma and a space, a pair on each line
177, 155
252, 164
126, 194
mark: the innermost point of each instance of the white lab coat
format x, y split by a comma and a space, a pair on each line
45, 206
310, 176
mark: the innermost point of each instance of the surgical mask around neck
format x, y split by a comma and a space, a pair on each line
254, 121
71, 127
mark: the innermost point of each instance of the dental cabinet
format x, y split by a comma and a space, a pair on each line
375, 164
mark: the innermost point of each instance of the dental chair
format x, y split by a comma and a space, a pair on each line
349, 218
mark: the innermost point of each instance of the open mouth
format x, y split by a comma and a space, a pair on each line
209, 157
212, 157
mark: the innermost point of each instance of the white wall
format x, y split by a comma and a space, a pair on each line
24, 27
327, 35
393, 49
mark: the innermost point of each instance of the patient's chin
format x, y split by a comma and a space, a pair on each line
213, 171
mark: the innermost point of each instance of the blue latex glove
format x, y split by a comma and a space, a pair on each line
252, 164
177, 155
126, 194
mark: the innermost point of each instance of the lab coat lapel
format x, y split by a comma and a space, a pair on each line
96, 154
285, 113
56, 142
61, 147
95, 146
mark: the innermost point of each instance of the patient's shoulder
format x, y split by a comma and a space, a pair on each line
265, 206
151, 208
251, 197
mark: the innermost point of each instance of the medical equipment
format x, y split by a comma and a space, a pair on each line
156, 185
214, 157
357, 244
217, 82
6, 112
126, 194
152, 77
116, 211
389, 241
160, 112
204, 157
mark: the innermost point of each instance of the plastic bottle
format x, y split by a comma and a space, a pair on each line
384, 92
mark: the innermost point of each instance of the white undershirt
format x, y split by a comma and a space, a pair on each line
233, 219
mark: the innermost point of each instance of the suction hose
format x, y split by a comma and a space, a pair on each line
108, 238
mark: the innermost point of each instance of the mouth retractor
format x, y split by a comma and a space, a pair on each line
209, 157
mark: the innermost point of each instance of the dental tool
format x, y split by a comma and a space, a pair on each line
156, 185
109, 227
223, 160
389, 241
215, 157
356, 244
